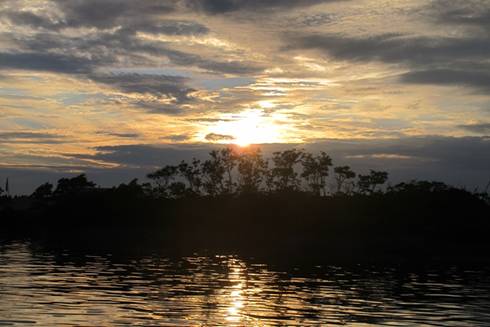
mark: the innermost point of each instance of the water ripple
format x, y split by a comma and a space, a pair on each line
51, 290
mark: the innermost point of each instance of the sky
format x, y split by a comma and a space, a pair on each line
117, 88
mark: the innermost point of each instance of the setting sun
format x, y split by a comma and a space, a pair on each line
247, 127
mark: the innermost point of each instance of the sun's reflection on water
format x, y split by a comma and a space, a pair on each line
234, 295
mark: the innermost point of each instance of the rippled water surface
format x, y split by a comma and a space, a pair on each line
60, 289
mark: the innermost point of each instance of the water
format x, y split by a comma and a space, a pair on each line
46, 289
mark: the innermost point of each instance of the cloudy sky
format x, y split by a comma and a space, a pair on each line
117, 87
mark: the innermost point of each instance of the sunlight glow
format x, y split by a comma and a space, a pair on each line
248, 127
266, 104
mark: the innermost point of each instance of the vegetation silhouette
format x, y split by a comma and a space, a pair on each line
295, 205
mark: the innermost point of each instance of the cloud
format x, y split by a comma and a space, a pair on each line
24, 135
159, 107
160, 94
481, 128
110, 13
394, 48
31, 138
48, 52
121, 135
177, 137
171, 27
316, 19
158, 85
476, 79
30, 19
147, 156
213, 137
458, 161
470, 13
113, 40
226, 6
132, 24
429, 60
451, 153
51, 62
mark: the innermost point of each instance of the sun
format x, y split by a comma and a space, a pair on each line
247, 127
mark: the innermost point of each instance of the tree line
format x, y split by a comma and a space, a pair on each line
230, 172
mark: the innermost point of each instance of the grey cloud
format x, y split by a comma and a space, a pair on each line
18, 96
480, 19
158, 85
226, 6
458, 161
186, 59
110, 13
474, 13
450, 152
30, 19
147, 156
453, 152
130, 25
177, 137
430, 59
229, 67
482, 128
171, 27
315, 20
25, 135
213, 137
476, 79
47, 51
394, 48
165, 94
50, 49
121, 135
31, 138
45, 62
158, 107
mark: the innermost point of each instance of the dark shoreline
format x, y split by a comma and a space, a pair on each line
447, 226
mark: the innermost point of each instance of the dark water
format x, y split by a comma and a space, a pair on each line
46, 289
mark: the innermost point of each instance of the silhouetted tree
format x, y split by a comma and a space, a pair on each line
192, 175
342, 175
229, 160
315, 171
217, 172
284, 174
367, 183
132, 189
418, 187
163, 178
43, 191
178, 190
268, 178
212, 174
74, 185
252, 170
